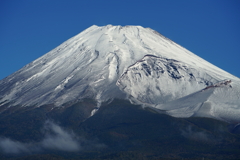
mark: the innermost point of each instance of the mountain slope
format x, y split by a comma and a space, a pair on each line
219, 101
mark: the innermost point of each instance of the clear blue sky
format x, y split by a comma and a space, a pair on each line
31, 28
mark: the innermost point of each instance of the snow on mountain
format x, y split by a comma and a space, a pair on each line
219, 101
182, 90
157, 80
118, 62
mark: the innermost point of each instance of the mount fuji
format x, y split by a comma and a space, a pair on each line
131, 62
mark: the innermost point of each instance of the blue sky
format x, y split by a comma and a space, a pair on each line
31, 28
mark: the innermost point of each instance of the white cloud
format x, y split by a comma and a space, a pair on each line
60, 139
9, 146
56, 138
196, 135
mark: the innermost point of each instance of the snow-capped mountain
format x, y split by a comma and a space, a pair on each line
123, 62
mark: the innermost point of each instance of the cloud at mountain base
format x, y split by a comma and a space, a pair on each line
196, 135
59, 139
9, 146
56, 138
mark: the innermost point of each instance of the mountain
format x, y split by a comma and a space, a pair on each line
128, 62
115, 92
